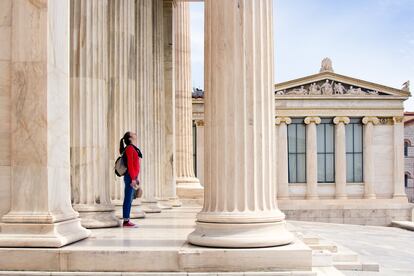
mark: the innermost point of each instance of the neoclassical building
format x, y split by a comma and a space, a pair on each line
339, 149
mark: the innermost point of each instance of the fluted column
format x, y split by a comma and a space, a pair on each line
89, 109
369, 155
240, 207
282, 158
168, 190
399, 189
312, 157
159, 100
186, 179
40, 213
340, 157
145, 103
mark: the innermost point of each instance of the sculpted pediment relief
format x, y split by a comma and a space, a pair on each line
329, 87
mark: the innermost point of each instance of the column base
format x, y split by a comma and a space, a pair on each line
42, 235
239, 235
402, 197
105, 219
164, 204
175, 202
312, 197
97, 216
151, 207
189, 187
370, 196
341, 196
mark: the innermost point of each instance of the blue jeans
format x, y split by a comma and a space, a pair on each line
128, 197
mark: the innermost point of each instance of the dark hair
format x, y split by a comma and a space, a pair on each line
126, 139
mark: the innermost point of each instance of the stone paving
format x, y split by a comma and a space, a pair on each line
392, 248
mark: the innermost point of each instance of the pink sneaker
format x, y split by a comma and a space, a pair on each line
129, 224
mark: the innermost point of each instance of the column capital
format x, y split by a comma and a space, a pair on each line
370, 119
286, 120
398, 119
199, 123
313, 119
341, 119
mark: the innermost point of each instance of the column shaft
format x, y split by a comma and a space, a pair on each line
399, 190
312, 157
240, 208
40, 214
368, 156
186, 180
340, 157
282, 156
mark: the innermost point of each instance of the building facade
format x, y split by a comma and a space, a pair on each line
339, 149
409, 155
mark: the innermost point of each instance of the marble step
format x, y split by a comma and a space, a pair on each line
345, 257
287, 273
357, 266
323, 245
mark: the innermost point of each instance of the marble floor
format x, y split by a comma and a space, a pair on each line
392, 248
163, 233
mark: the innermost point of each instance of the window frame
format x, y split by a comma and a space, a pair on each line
353, 122
295, 122
326, 152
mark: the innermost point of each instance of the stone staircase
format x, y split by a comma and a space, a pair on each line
327, 253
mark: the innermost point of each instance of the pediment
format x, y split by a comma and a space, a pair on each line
328, 84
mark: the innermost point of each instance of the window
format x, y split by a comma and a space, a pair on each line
326, 151
354, 151
406, 145
297, 151
405, 180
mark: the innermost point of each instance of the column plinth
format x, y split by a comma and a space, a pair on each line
240, 208
340, 157
187, 183
312, 157
282, 158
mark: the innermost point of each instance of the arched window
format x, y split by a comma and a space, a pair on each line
406, 180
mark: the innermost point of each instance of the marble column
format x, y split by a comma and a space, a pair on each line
282, 158
159, 100
368, 156
122, 90
240, 208
340, 157
187, 183
399, 189
168, 191
312, 157
89, 109
41, 214
145, 103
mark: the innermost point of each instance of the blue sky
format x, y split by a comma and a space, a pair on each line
368, 39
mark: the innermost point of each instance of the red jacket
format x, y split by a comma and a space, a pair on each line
132, 162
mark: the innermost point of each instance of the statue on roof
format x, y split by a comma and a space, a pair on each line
326, 65
406, 86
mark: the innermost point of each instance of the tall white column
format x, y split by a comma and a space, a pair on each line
41, 214
240, 207
89, 109
282, 158
368, 155
312, 157
159, 101
169, 190
187, 183
340, 157
145, 103
399, 189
